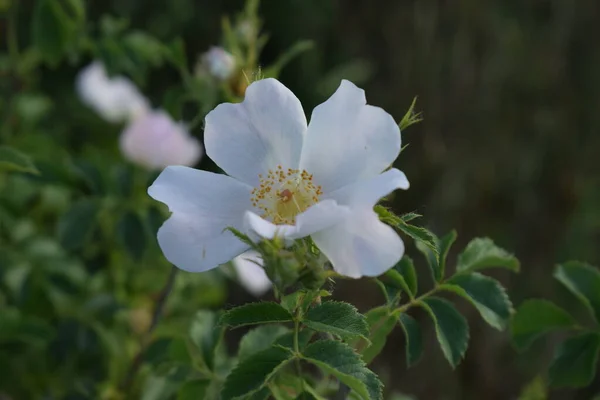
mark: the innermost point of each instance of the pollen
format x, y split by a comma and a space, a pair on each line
284, 193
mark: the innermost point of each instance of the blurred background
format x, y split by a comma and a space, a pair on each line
510, 95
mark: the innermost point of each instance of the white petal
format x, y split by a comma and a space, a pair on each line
367, 193
203, 205
116, 99
265, 130
348, 140
318, 217
250, 273
361, 246
155, 141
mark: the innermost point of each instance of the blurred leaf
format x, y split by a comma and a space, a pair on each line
583, 281
132, 234
575, 361
486, 294
91, 175
534, 318
176, 53
535, 390
381, 323
259, 339
255, 313
356, 71
451, 328
193, 390
50, 31
253, 373
292, 52
482, 253
13, 160
155, 219
123, 177
338, 318
412, 339
75, 226
205, 334
24, 328
148, 49
339, 360
437, 260
157, 387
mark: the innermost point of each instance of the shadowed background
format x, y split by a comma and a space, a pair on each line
510, 95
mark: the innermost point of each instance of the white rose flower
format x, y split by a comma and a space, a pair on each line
287, 179
250, 273
154, 141
115, 99
219, 62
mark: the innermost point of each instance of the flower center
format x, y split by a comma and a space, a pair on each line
283, 194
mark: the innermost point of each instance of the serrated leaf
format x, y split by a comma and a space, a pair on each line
437, 261
486, 294
287, 339
339, 360
338, 318
406, 268
412, 339
254, 373
575, 361
255, 313
13, 160
482, 253
451, 328
260, 338
381, 323
419, 234
583, 281
132, 234
205, 334
75, 226
534, 318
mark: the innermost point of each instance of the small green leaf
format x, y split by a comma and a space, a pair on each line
403, 276
486, 294
437, 260
255, 313
339, 360
412, 339
193, 390
163, 387
381, 323
50, 30
482, 253
132, 234
259, 339
338, 318
410, 216
583, 281
575, 361
451, 328
205, 334
411, 117
253, 373
534, 318
75, 226
420, 235
13, 160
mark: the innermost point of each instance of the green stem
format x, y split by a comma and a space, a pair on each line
416, 300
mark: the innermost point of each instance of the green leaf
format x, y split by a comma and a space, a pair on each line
575, 361
253, 373
486, 294
205, 334
50, 30
13, 160
410, 216
482, 253
292, 52
451, 328
412, 339
338, 318
157, 387
287, 339
535, 390
255, 313
411, 117
583, 281
132, 234
260, 338
339, 360
75, 226
381, 323
534, 318
403, 276
437, 260
193, 390
420, 235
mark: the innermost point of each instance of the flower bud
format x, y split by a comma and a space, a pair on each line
154, 141
219, 63
115, 99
